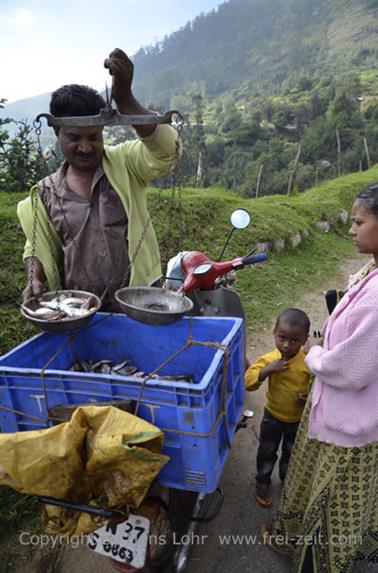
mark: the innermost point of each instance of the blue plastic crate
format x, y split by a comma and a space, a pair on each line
197, 434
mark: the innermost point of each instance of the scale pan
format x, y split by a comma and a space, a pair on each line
153, 305
61, 325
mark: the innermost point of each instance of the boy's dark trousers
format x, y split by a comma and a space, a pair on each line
272, 431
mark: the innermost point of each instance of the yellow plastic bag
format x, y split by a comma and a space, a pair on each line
102, 456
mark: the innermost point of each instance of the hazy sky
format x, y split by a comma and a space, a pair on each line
47, 43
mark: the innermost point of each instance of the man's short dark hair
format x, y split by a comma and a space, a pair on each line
75, 100
294, 317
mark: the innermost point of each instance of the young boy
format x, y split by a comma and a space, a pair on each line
288, 385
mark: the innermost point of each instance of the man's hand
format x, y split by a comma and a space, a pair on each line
33, 289
121, 69
36, 279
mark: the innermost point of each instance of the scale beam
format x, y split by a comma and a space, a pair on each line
109, 116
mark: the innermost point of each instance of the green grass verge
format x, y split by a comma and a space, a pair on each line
200, 221
13, 508
17, 513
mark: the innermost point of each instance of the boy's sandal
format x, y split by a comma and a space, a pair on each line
264, 499
268, 539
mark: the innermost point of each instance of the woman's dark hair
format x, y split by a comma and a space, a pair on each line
75, 100
294, 317
369, 198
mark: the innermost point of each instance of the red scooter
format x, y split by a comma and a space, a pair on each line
209, 283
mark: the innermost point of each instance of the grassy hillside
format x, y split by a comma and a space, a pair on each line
199, 220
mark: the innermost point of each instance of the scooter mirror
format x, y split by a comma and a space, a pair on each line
201, 269
240, 218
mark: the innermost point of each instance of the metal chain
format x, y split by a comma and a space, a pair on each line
38, 128
34, 241
175, 198
53, 258
176, 175
175, 189
126, 277
37, 124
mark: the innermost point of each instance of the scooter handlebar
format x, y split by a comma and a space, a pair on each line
253, 259
205, 280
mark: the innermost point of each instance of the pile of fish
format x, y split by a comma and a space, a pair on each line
63, 306
125, 368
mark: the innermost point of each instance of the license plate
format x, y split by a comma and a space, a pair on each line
125, 542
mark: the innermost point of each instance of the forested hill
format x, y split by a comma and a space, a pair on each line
278, 95
250, 45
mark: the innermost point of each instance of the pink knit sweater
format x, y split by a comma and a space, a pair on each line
344, 407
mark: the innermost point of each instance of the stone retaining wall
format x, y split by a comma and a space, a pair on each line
295, 239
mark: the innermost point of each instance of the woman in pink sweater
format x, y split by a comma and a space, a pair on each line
328, 513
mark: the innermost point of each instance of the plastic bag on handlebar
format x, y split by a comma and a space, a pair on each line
174, 275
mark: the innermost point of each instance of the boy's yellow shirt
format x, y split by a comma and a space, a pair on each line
283, 387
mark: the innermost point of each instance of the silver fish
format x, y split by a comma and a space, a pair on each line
43, 313
86, 366
121, 365
178, 378
99, 364
74, 301
72, 311
126, 371
89, 302
70, 305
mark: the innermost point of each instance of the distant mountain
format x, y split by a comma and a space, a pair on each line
26, 109
29, 107
258, 45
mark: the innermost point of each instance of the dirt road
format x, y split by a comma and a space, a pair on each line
212, 551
